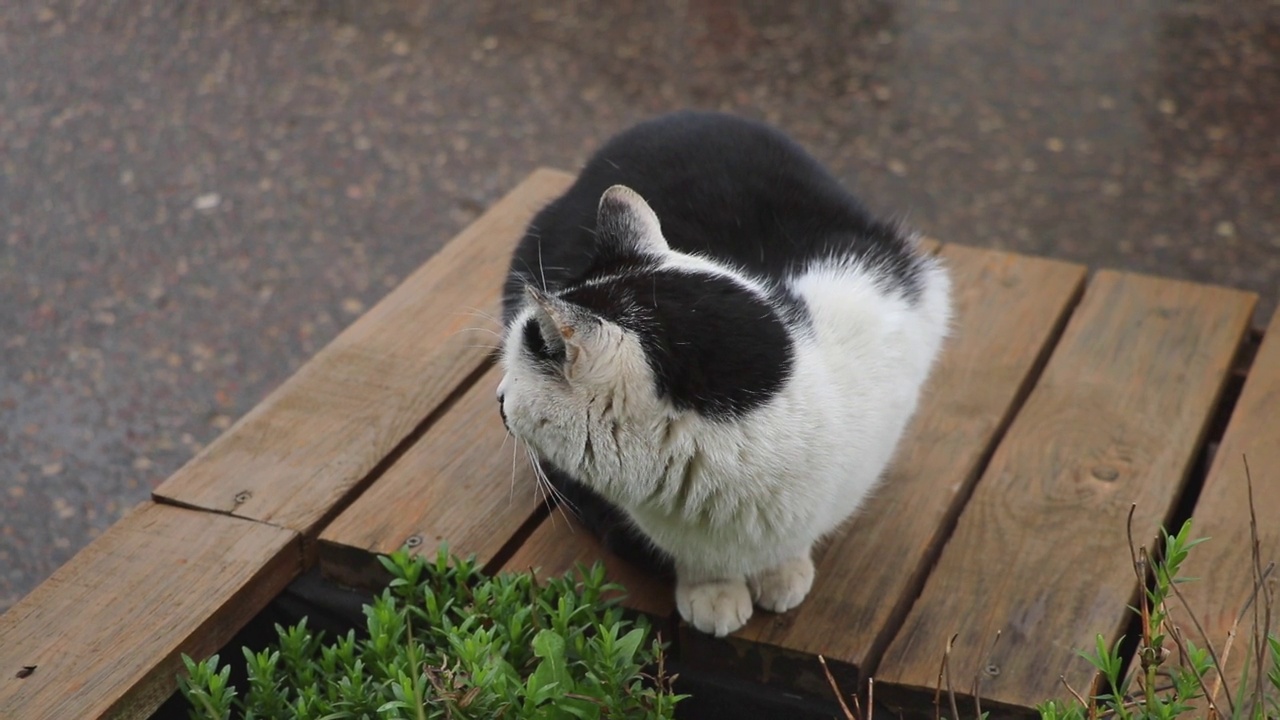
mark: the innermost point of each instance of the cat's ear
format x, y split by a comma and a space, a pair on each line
626, 220
561, 324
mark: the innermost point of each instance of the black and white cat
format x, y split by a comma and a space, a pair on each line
713, 349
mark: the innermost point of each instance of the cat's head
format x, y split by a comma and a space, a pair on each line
596, 372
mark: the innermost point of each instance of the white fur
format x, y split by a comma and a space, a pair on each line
739, 504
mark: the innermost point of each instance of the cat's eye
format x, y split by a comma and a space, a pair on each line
551, 353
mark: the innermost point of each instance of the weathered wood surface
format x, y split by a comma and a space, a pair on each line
297, 456
106, 632
464, 483
1223, 566
399, 410
560, 543
1009, 311
1040, 551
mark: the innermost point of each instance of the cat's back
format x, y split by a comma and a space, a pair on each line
725, 187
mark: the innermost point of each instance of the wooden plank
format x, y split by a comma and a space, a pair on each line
106, 632
1040, 551
464, 483
1223, 566
293, 459
560, 543
1009, 311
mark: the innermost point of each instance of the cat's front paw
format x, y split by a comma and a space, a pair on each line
783, 586
718, 607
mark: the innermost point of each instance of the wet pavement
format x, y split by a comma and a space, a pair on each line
195, 197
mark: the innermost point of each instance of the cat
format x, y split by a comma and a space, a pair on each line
712, 349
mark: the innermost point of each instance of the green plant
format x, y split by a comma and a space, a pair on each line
445, 641
1165, 690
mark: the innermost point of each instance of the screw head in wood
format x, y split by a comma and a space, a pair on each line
413, 541
991, 670
243, 497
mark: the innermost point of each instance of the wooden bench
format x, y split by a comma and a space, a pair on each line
1063, 398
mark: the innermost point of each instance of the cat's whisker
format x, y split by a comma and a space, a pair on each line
541, 271
494, 333
555, 498
474, 329
539, 481
511, 497
561, 501
474, 311
538, 487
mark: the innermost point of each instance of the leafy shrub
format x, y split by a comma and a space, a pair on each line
445, 641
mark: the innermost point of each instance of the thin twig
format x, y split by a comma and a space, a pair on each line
1176, 634
1072, 690
871, 698
951, 691
1213, 655
977, 677
1259, 630
937, 688
835, 688
1133, 548
1142, 565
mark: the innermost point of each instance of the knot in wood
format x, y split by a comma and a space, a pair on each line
1106, 473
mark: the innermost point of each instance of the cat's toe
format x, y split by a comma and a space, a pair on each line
783, 586
718, 607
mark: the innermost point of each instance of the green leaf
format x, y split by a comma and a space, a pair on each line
581, 709
628, 644
549, 646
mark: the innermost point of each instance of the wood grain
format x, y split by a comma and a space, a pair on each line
1039, 552
1009, 311
464, 483
1223, 565
107, 630
560, 543
302, 452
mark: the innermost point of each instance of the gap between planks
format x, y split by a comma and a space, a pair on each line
1051, 503
1223, 566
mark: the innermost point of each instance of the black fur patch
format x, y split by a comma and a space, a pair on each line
713, 346
549, 356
